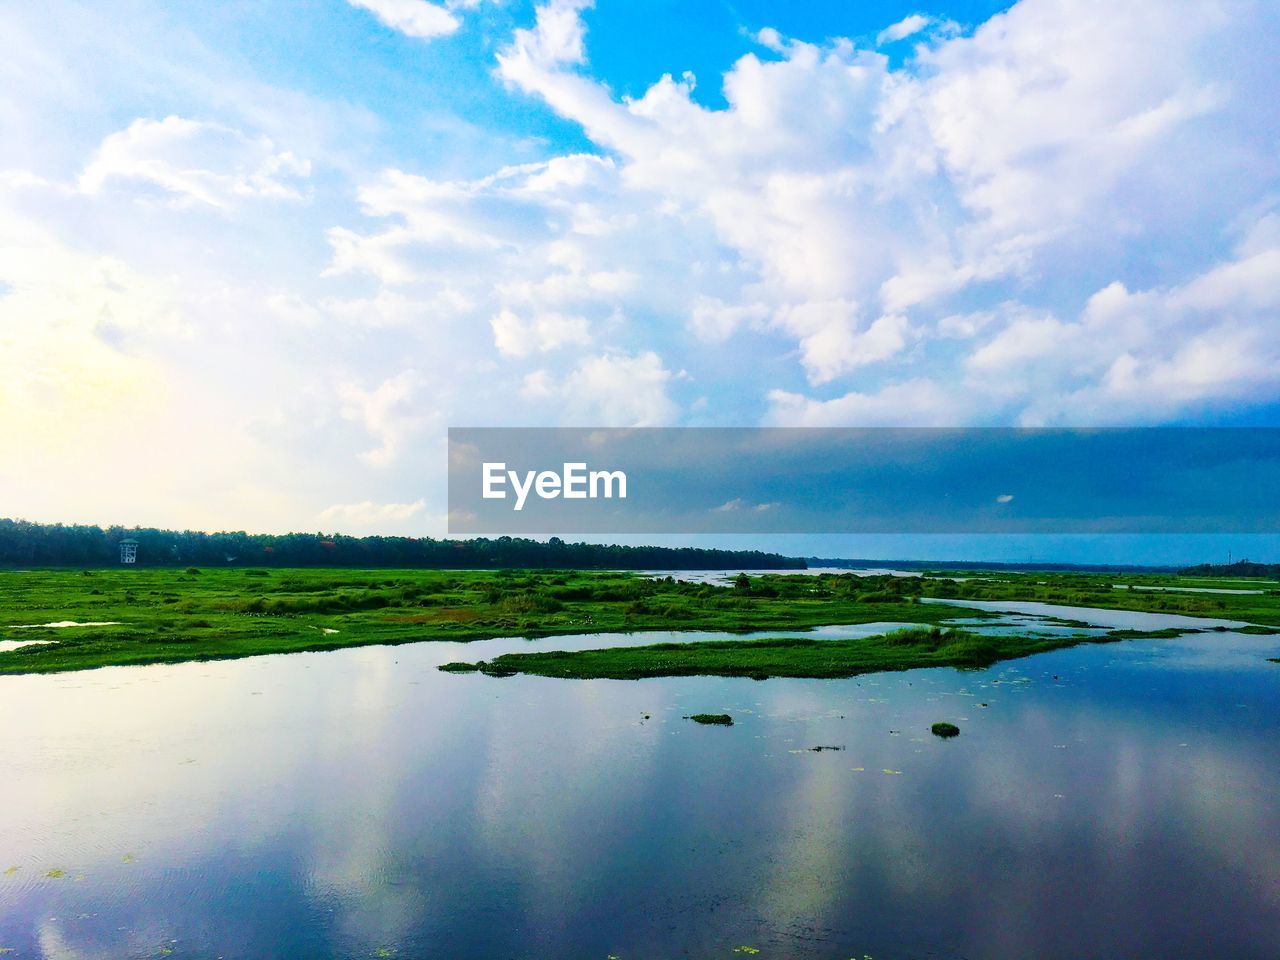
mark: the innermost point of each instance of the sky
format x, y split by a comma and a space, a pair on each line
256, 257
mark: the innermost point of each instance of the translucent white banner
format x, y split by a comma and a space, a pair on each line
864, 480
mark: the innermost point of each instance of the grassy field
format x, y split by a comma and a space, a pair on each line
165, 616
786, 657
1152, 593
157, 615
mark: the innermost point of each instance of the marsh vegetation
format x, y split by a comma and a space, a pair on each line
791, 656
143, 616
157, 616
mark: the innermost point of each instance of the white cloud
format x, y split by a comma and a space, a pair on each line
1138, 356
913, 403
391, 413
621, 389
194, 163
1019, 225
613, 389
737, 504
370, 517
714, 321
906, 27
545, 331
847, 190
832, 341
556, 38
415, 18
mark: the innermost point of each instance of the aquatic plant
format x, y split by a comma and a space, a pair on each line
721, 719
784, 656
166, 610
170, 615
945, 730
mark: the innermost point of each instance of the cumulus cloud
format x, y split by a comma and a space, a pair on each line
194, 163
917, 402
545, 331
862, 203
415, 18
1134, 356
390, 413
612, 389
906, 27
1065, 215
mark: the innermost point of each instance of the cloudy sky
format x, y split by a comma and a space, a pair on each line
256, 256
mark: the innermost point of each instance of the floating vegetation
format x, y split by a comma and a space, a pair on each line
1165, 633
57, 873
819, 749
11, 871
720, 719
746, 950
776, 657
945, 730
459, 667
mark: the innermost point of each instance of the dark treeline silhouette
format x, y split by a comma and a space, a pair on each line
25, 544
1241, 568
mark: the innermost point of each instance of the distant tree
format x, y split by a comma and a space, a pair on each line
26, 544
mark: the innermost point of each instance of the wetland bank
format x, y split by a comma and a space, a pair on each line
359, 802
78, 619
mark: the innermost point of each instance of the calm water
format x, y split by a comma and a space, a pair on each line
1105, 801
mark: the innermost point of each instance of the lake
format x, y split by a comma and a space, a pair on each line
1115, 800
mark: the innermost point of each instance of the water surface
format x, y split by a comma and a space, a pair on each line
1113, 800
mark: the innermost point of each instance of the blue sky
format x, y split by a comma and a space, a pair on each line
265, 253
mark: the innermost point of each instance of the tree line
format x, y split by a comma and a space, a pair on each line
27, 544
1241, 568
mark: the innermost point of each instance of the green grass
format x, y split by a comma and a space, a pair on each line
784, 657
1134, 592
173, 615
169, 616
